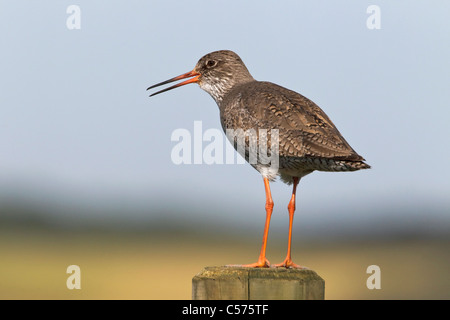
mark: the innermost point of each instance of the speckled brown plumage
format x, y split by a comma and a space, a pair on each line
308, 139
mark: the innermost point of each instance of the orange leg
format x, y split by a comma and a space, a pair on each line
287, 263
262, 261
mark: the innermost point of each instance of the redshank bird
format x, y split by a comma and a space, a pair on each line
307, 139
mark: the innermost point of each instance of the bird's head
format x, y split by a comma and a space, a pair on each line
216, 73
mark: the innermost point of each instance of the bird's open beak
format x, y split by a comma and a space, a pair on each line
189, 74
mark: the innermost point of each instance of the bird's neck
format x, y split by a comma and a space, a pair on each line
219, 89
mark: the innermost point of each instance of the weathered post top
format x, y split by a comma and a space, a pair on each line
241, 283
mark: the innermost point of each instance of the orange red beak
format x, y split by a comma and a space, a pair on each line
189, 74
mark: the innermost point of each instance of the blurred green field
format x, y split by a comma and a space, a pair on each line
161, 266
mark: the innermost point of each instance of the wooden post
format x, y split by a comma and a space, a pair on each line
240, 283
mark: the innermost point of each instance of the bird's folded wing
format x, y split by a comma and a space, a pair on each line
304, 129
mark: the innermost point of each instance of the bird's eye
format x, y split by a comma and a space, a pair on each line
211, 63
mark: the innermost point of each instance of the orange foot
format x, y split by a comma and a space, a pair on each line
287, 263
261, 263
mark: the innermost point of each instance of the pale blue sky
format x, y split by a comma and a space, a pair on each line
76, 122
